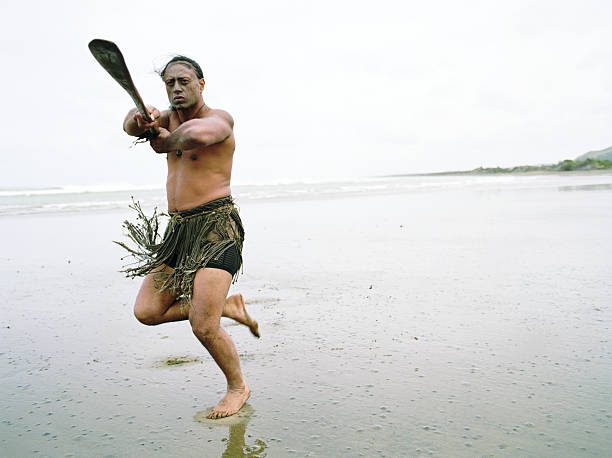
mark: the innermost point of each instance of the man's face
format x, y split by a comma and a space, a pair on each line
182, 85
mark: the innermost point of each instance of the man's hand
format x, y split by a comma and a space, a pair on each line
160, 143
135, 125
154, 114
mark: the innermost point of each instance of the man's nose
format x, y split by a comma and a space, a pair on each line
176, 87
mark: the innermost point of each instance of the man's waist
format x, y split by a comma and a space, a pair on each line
204, 208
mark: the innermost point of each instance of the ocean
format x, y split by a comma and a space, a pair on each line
88, 198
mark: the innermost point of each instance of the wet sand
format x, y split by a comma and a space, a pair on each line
444, 322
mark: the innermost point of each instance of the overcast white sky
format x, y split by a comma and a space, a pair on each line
318, 89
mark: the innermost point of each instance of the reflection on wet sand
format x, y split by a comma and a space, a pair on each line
587, 187
236, 445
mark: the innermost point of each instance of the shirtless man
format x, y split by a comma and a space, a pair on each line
189, 276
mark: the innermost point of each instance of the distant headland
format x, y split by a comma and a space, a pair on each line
593, 160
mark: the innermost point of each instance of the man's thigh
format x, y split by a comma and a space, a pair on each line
150, 299
210, 288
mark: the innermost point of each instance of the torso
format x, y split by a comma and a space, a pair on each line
199, 175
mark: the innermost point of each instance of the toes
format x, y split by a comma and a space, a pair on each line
216, 414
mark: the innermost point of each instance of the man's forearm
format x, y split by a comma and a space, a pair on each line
179, 139
190, 135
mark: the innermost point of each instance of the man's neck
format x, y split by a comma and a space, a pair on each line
191, 112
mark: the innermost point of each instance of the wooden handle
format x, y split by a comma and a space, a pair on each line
110, 58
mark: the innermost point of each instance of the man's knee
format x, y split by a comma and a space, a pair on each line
151, 304
205, 329
145, 314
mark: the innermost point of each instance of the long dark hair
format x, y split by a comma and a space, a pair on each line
196, 67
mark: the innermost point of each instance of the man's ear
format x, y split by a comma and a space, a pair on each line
202, 83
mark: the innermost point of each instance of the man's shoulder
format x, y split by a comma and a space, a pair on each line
221, 114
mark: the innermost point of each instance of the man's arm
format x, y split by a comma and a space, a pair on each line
193, 134
135, 125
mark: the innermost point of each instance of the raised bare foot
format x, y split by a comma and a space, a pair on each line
235, 309
231, 403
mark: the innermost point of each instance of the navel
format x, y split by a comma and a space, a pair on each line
194, 157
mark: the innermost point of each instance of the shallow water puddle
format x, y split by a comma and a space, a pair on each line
178, 361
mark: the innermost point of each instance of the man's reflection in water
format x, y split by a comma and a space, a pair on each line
236, 445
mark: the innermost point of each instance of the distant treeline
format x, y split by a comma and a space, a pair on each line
563, 166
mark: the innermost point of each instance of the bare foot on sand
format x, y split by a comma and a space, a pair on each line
235, 309
231, 403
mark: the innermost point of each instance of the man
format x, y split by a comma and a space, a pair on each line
188, 274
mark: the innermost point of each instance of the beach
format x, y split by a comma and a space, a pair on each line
399, 316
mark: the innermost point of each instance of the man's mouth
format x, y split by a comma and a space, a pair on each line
178, 98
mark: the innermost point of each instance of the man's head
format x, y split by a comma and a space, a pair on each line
184, 82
